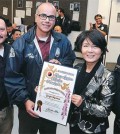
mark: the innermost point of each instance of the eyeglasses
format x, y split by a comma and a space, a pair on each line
44, 17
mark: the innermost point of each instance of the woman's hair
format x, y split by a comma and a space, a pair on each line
94, 36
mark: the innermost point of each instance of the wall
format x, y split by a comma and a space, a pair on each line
62, 3
114, 34
92, 10
7, 4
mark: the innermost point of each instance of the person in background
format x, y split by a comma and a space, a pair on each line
27, 55
16, 33
116, 106
103, 28
58, 29
9, 29
94, 88
63, 21
6, 111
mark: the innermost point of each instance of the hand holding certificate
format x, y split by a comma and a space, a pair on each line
54, 92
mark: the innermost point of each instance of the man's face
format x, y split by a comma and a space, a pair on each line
9, 29
45, 24
16, 35
98, 20
58, 29
3, 31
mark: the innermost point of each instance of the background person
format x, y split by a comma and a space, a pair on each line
116, 106
63, 21
9, 29
6, 112
103, 28
25, 63
16, 33
58, 29
94, 88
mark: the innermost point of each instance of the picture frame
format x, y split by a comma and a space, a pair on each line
56, 4
77, 6
118, 17
19, 3
71, 6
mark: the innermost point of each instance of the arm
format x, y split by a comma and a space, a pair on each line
98, 107
104, 31
66, 55
102, 107
14, 79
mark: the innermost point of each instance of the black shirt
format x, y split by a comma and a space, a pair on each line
3, 95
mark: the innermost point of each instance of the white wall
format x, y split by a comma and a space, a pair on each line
114, 30
92, 10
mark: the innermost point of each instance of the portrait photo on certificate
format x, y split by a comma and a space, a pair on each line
54, 92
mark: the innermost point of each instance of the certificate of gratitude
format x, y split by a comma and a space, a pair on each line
54, 92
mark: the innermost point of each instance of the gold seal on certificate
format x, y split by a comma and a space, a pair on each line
55, 88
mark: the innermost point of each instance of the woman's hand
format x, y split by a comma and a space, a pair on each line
76, 99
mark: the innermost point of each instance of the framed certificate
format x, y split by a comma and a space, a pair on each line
54, 92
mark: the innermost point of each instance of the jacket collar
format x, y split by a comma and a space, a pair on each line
95, 82
30, 35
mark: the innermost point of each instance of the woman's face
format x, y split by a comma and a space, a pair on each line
90, 52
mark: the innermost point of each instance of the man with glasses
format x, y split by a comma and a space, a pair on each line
24, 66
103, 28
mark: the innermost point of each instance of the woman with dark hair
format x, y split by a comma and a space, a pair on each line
94, 88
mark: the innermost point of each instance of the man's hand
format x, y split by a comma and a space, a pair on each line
91, 26
55, 61
30, 108
76, 99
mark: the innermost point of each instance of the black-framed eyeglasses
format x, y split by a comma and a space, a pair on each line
44, 17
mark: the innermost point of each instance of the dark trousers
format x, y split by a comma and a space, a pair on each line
30, 125
77, 130
117, 125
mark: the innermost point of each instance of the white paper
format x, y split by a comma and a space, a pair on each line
17, 21
20, 13
71, 6
29, 4
5, 10
28, 11
55, 88
75, 16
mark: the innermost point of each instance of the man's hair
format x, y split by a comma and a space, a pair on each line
98, 15
14, 30
4, 19
61, 10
